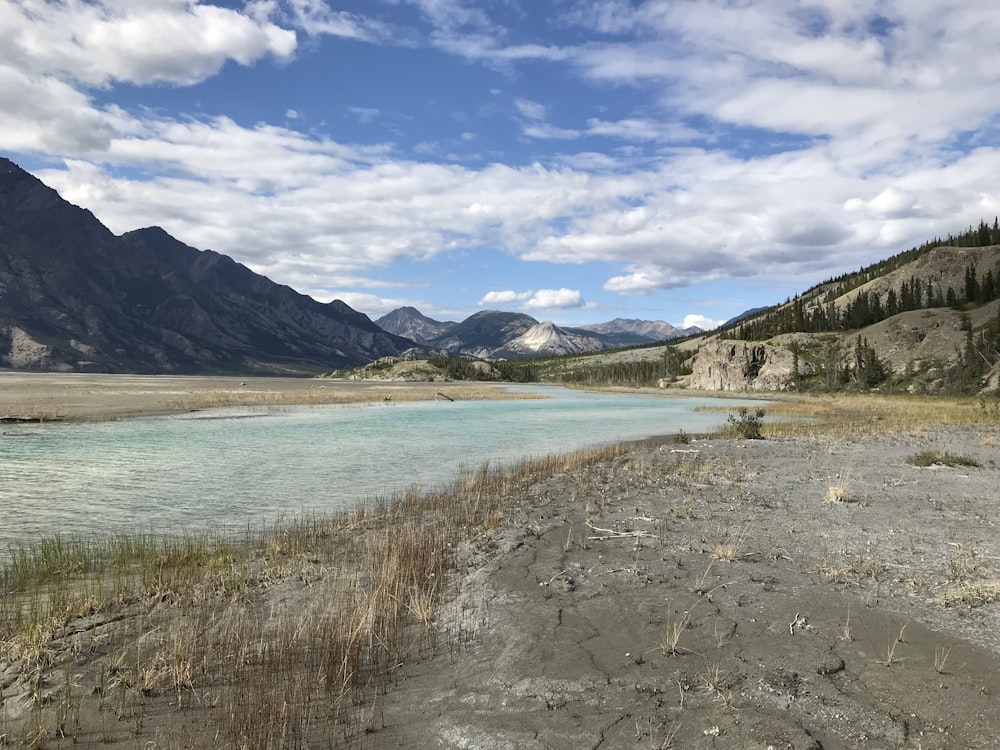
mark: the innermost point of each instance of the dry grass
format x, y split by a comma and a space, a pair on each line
158, 625
860, 416
730, 548
941, 458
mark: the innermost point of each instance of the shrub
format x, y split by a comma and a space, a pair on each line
941, 458
747, 424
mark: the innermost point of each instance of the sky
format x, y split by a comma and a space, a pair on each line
575, 160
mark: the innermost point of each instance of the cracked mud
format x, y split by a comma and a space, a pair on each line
790, 593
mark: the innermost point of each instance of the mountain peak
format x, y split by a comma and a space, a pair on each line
76, 297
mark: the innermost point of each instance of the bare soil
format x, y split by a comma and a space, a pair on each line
807, 592
797, 593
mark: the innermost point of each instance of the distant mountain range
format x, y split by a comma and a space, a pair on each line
492, 334
75, 297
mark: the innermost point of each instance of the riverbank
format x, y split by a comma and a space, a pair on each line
35, 397
832, 586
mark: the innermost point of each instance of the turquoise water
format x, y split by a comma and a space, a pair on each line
238, 466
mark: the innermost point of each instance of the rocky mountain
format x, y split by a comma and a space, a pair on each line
76, 297
484, 333
492, 334
643, 330
410, 323
549, 339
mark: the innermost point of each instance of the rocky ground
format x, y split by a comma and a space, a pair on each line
787, 593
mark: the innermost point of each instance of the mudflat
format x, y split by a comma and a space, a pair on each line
806, 592
73, 396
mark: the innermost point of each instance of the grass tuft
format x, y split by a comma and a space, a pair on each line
941, 458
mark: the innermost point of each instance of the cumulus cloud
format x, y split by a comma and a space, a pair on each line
542, 299
702, 322
555, 299
861, 139
643, 281
96, 43
503, 297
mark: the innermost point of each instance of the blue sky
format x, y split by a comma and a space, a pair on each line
578, 160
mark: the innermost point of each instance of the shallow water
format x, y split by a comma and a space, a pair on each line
236, 466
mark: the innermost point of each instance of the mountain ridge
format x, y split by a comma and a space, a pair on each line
492, 334
76, 297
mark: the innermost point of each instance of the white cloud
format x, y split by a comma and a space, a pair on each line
316, 18
96, 43
878, 165
503, 297
542, 299
530, 110
547, 131
642, 129
555, 299
704, 323
643, 281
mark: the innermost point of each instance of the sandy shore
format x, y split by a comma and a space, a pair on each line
806, 592
72, 396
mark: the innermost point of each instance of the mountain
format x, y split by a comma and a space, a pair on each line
484, 333
644, 331
76, 297
491, 334
924, 321
549, 339
414, 325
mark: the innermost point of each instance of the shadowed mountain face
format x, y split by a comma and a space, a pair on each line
413, 324
73, 296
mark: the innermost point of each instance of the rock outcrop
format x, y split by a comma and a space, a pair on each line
726, 365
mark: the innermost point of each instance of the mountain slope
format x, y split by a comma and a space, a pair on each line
73, 296
414, 325
492, 334
548, 339
643, 330
484, 333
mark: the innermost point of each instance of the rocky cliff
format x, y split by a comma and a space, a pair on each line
744, 366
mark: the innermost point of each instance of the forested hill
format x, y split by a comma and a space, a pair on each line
958, 272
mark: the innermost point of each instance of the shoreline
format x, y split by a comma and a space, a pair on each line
48, 397
804, 591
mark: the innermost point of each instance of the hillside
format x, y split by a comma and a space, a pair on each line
924, 321
75, 297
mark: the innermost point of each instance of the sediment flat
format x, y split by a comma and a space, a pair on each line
804, 592
74, 396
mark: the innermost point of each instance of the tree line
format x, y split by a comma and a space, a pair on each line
868, 308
